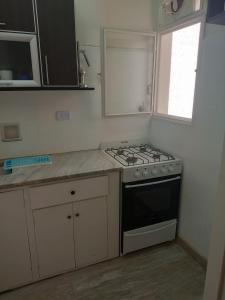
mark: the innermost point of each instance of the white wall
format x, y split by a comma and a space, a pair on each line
200, 145
120, 14
35, 111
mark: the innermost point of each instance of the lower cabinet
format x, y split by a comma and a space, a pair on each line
90, 229
54, 239
51, 229
71, 236
15, 262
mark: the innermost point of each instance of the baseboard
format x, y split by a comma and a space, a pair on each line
198, 257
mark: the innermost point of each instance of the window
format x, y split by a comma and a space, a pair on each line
178, 60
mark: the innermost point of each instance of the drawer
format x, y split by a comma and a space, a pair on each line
60, 193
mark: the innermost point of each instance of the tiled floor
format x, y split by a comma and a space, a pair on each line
161, 273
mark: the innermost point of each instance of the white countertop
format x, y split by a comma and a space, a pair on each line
65, 166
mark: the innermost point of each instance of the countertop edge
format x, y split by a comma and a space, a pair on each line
56, 179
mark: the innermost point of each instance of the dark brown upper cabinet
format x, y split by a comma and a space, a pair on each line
216, 12
17, 15
56, 21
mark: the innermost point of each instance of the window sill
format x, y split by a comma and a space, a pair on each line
173, 119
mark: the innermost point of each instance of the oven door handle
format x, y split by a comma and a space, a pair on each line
152, 183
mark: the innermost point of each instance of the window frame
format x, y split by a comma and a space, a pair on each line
199, 17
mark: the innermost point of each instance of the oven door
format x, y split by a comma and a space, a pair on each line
150, 202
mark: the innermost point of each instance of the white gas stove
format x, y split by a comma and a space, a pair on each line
151, 181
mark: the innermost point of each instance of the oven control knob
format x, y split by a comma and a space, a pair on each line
155, 172
137, 174
171, 168
145, 173
164, 170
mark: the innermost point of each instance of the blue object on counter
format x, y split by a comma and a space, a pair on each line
11, 164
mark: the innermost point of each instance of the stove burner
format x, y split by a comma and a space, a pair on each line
156, 156
131, 160
120, 152
136, 155
143, 149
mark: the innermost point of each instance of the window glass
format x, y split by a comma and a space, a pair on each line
15, 61
177, 71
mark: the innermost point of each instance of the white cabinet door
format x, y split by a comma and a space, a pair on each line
15, 264
55, 240
91, 229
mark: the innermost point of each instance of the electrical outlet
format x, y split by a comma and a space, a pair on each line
62, 116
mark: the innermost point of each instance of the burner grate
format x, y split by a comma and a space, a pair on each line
138, 155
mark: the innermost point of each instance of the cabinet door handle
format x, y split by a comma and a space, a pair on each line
73, 193
78, 62
77, 215
69, 217
3, 24
46, 69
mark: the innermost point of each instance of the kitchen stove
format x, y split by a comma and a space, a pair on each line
144, 161
151, 181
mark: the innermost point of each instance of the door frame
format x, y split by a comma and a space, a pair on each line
215, 277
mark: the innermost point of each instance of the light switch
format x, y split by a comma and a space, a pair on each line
62, 116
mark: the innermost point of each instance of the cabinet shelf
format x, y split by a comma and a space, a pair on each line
52, 88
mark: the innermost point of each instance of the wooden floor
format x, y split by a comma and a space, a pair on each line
160, 273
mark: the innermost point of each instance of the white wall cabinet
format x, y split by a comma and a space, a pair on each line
90, 227
15, 263
54, 239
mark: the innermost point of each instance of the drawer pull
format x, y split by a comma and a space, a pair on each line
3, 24
77, 215
69, 217
72, 193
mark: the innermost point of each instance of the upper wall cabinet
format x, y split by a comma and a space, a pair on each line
38, 47
17, 15
56, 22
216, 12
19, 64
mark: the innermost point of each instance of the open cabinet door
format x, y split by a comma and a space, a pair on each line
215, 279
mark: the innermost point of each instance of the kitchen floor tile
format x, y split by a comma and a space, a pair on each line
164, 272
